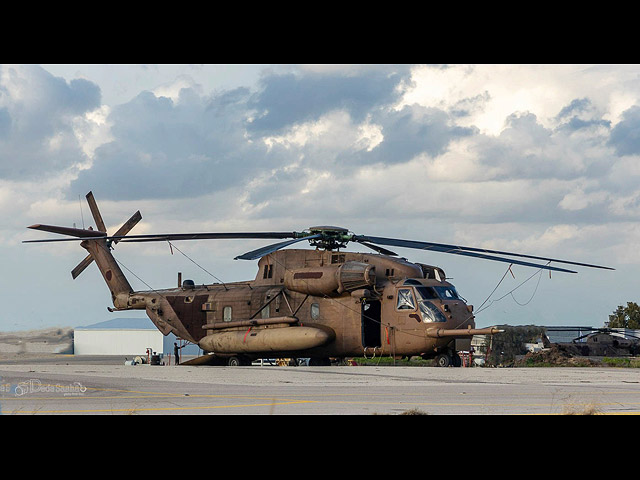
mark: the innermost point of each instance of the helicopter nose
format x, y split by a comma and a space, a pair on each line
459, 315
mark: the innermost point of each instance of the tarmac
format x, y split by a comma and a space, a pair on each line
64, 384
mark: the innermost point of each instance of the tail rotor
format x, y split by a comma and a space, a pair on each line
91, 234
122, 231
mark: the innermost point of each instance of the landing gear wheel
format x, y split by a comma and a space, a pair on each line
237, 362
443, 360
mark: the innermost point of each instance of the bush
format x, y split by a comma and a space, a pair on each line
621, 362
505, 346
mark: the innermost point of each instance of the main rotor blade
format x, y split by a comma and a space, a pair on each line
93, 206
378, 249
260, 252
203, 236
436, 247
74, 232
162, 237
441, 247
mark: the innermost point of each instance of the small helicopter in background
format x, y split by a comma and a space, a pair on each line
319, 304
598, 342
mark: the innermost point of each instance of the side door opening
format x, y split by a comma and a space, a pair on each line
371, 324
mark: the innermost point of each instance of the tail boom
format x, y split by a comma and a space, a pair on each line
116, 281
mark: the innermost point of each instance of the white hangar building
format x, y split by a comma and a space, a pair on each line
125, 336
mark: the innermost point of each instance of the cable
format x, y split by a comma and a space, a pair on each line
200, 266
106, 249
533, 295
514, 289
496, 287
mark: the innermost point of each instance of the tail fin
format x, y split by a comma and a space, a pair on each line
100, 250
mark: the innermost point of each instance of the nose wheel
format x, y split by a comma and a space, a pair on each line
448, 359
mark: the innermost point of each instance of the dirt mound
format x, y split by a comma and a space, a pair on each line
557, 356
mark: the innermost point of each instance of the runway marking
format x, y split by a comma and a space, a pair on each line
152, 394
134, 409
406, 400
554, 407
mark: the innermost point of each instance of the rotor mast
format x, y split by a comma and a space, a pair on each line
331, 238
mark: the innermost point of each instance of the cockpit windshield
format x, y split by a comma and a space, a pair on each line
430, 313
447, 293
424, 296
442, 292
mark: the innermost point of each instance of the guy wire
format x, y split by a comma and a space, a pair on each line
195, 263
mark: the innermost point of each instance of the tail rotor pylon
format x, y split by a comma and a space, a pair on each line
122, 231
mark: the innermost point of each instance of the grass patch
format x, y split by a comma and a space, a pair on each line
624, 362
398, 362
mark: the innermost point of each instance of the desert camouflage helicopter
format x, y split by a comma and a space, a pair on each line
318, 304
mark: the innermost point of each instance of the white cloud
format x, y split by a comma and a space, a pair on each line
504, 89
92, 130
511, 157
172, 89
578, 199
333, 131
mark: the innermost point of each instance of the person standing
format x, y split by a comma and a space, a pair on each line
176, 353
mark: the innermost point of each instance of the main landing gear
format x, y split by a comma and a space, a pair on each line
238, 361
448, 359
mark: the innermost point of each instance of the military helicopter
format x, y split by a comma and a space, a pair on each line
318, 304
601, 342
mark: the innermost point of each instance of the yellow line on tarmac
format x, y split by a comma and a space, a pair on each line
157, 409
405, 400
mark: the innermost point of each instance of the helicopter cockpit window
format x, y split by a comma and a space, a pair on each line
431, 313
405, 300
447, 293
426, 293
315, 311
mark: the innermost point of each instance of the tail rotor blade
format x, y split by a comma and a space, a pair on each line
81, 266
128, 225
95, 212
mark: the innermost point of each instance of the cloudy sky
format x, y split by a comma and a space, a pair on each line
537, 159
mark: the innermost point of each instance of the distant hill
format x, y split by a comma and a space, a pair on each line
60, 339
47, 340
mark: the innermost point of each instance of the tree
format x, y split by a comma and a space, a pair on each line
625, 317
507, 345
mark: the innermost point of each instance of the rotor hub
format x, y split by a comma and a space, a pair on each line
332, 238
